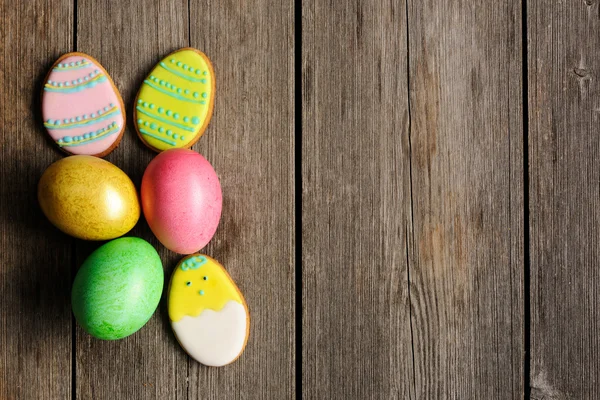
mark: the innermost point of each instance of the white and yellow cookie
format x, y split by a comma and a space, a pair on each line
174, 105
208, 313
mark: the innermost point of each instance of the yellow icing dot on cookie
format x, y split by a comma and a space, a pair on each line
174, 104
198, 283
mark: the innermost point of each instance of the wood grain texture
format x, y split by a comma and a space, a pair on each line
356, 202
129, 39
35, 258
564, 151
250, 142
467, 258
453, 233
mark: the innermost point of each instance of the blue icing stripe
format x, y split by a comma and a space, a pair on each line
184, 76
71, 68
144, 132
176, 96
166, 121
67, 140
84, 122
70, 89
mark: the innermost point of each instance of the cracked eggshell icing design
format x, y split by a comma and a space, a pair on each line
88, 198
175, 102
82, 109
182, 200
208, 313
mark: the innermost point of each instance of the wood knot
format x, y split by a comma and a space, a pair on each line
581, 73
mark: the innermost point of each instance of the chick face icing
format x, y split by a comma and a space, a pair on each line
208, 313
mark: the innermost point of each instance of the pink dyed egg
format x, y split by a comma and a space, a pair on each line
181, 199
82, 109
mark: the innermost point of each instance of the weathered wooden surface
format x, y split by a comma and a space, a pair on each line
412, 187
35, 260
250, 142
128, 42
413, 178
356, 202
467, 182
564, 156
251, 145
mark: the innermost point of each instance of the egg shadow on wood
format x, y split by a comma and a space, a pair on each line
163, 310
39, 282
20, 178
36, 111
39, 259
46, 292
228, 232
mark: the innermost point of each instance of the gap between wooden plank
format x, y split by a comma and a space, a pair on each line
526, 227
189, 10
74, 260
412, 219
298, 189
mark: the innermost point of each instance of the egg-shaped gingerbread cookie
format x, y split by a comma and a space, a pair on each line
174, 104
208, 313
82, 109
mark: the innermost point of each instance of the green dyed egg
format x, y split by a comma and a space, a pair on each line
118, 288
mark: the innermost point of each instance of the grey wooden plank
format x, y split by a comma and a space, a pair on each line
250, 142
129, 38
467, 263
35, 277
564, 150
356, 201
462, 238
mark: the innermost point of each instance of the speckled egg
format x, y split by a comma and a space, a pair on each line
88, 198
118, 288
181, 199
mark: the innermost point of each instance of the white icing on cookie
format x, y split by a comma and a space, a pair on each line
214, 338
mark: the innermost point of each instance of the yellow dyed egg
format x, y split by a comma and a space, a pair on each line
208, 313
88, 198
174, 104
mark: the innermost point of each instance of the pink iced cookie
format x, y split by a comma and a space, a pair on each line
82, 109
181, 199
